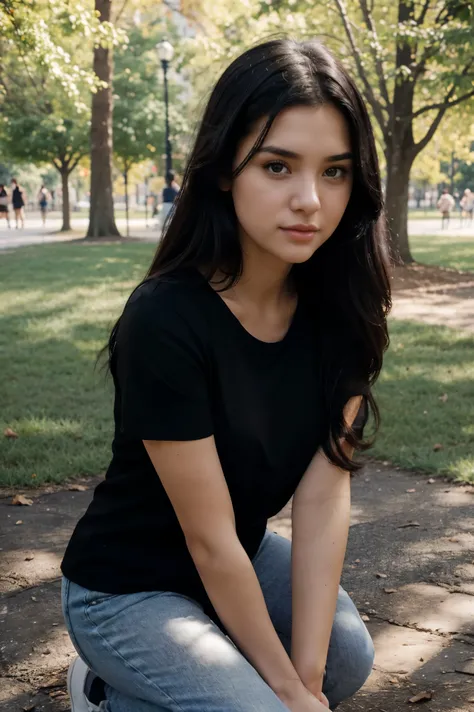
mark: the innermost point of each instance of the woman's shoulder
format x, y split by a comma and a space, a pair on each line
170, 301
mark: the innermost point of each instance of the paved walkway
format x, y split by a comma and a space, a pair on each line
409, 567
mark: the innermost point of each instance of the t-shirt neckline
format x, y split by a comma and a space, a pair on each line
265, 344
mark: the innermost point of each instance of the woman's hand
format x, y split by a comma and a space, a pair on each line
323, 699
302, 700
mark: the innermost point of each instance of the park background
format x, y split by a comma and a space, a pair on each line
83, 110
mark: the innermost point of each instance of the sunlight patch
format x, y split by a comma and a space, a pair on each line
203, 641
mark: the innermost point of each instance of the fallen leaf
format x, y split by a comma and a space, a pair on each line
390, 590
444, 397
437, 447
9, 433
19, 522
383, 576
409, 524
77, 488
20, 499
421, 697
30, 708
410, 490
365, 618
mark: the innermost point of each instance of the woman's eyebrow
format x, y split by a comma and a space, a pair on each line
285, 153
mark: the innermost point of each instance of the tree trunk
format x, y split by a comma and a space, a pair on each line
66, 209
399, 163
101, 218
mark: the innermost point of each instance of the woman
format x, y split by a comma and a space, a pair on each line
4, 205
243, 367
43, 198
18, 202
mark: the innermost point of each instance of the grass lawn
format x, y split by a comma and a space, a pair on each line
58, 303
444, 250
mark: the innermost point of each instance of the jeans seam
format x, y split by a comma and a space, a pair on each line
70, 627
125, 661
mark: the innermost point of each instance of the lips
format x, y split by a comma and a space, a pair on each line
301, 228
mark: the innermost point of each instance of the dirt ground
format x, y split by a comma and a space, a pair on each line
409, 568
433, 295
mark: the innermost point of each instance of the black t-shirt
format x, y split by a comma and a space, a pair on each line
187, 369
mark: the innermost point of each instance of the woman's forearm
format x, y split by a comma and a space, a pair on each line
234, 590
320, 529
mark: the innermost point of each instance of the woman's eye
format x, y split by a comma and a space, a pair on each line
335, 172
275, 168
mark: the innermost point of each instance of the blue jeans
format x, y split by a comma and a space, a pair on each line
158, 651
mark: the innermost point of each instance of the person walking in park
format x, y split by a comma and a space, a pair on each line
467, 206
4, 214
43, 199
169, 195
243, 367
18, 202
445, 204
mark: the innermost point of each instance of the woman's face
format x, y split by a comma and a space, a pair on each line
301, 177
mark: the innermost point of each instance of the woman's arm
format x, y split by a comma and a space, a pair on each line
193, 479
321, 514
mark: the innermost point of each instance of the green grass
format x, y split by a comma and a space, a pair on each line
444, 251
59, 302
423, 364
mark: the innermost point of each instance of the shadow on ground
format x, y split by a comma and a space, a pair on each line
419, 545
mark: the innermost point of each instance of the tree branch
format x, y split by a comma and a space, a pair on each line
120, 12
373, 101
375, 54
76, 161
56, 164
443, 104
443, 107
421, 17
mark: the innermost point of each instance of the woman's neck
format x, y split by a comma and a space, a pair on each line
264, 281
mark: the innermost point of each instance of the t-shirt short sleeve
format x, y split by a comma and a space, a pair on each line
160, 373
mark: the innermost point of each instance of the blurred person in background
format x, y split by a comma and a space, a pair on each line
445, 204
4, 205
18, 202
467, 206
43, 200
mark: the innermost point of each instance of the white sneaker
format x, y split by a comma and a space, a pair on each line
80, 680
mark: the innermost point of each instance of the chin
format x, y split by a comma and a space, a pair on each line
297, 255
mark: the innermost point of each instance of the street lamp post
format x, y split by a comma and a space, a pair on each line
165, 53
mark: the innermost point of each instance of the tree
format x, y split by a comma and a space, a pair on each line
101, 217
35, 33
416, 65
52, 139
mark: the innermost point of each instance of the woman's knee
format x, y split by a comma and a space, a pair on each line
350, 661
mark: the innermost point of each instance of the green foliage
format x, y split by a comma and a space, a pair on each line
139, 111
46, 139
36, 32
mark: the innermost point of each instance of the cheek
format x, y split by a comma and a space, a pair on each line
254, 197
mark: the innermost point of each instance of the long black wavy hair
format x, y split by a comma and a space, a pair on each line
345, 283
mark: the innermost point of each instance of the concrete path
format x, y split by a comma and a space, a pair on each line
409, 568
